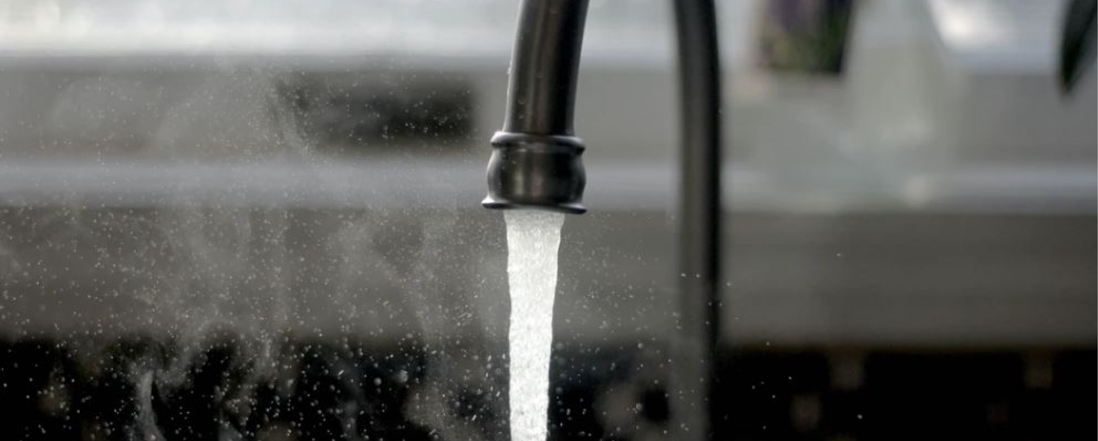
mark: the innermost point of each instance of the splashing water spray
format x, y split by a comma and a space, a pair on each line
532, 241
536, 172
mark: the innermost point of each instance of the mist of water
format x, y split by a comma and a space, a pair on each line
533, 238
190, 277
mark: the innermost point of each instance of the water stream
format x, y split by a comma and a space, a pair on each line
533, 238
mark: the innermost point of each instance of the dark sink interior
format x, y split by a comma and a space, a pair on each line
339, 388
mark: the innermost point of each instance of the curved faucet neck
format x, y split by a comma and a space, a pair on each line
545, 60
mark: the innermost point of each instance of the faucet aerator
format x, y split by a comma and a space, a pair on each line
540, 172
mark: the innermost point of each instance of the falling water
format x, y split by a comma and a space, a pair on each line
533, 238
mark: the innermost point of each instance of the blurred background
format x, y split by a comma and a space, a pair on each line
246, 219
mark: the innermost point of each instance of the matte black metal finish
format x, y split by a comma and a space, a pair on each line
537, 172
536, 161
699, 220
541, 94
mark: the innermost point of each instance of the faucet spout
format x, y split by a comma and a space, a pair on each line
536, 164
536, 159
